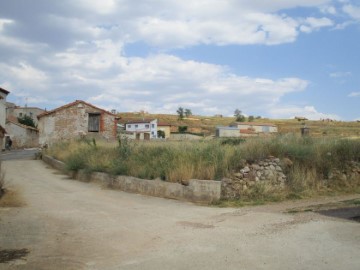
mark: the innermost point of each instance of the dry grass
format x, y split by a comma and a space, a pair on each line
207, 124
11, 198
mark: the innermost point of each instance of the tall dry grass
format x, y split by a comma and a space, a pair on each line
9, 197
313, 159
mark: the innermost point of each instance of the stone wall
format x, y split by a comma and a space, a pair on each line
72, 122
267, 172
203, 191
349, 174
22, 136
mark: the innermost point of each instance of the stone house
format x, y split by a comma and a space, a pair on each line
74, 120
21, 135
144, 129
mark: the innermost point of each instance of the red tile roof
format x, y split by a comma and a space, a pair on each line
76, 102
163, 124
140, 121
255, 124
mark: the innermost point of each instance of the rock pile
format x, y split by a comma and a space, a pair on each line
350, 173
267, 172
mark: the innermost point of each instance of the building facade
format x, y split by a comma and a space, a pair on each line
142, 129
22, 136
256, 127
227, 132
17, 111
74, 120
3, 95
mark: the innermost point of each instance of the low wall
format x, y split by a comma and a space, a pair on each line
203, 191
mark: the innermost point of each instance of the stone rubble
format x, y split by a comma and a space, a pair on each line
268, 171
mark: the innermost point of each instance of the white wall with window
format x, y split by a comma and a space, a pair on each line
144, 129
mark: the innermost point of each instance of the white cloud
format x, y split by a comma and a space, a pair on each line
54, 48
168, 24
309, 112
340, 74
353, 11
354, 94
328, 10
4, 22
310, 24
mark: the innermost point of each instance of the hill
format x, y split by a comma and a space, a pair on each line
207, 124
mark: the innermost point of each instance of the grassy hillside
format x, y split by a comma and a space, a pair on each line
207, 124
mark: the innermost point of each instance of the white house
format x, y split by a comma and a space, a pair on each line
3, 95
226, 132
145, 129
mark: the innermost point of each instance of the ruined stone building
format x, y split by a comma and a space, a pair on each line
74, 120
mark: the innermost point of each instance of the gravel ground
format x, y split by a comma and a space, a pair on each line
68, 224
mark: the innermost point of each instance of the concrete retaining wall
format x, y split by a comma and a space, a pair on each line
204, 191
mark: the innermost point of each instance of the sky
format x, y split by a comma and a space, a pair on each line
274, 59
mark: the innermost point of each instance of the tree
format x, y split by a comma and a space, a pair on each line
188, 112
180, 112
239, 116
251, 118
182, 129
161, 134
26, 120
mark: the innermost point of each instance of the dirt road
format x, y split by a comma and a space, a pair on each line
73, 225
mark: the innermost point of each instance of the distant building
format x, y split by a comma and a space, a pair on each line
166, 128
17, 111
256, 127
145, 129
21, 135
227, 132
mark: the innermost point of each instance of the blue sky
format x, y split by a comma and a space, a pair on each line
276, 59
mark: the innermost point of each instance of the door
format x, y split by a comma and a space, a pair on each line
94, 122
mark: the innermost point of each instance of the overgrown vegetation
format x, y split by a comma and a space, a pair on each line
27, 120
307, 161
8, 197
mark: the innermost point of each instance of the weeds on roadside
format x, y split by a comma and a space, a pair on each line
313, 160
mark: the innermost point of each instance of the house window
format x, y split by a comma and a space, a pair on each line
136, 126
129, 126
153, 125
147, 126
94, 122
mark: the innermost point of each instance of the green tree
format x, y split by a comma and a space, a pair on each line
251, 118
188, 112
239, 116
26, 120
161, 134
180, 113
182, 129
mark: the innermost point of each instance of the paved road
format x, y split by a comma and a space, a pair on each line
73, 225
19, 154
